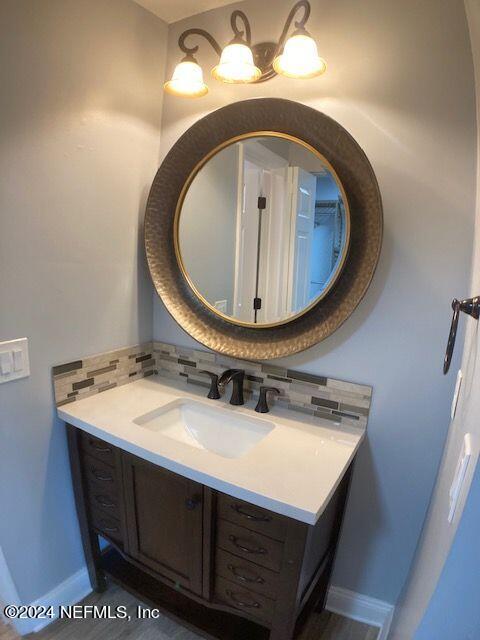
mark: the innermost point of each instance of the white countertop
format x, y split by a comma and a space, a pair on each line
293, 471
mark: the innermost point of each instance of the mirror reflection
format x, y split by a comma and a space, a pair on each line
263, 230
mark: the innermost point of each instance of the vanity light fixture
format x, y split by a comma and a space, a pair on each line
300, 57
236, 65
241, 62
187, 79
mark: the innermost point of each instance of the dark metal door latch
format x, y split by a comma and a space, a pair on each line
471, 306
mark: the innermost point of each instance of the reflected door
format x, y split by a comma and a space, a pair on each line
302, 225
260, 234
247, 240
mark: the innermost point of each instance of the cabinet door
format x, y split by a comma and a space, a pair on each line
164, 515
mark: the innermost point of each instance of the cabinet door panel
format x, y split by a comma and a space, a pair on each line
164, 512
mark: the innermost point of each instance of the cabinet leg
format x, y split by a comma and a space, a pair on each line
90, 543
91, 549
322, 587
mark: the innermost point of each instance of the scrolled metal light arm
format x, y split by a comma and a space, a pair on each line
190, 51
264, 52
246, 34
299, 24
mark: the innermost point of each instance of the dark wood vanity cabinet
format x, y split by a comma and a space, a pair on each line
222, 566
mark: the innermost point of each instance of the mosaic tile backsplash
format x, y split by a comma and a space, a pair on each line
82, 378
340, 402
335, 400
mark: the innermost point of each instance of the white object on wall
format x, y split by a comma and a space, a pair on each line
456, 393
459, 476
14, 360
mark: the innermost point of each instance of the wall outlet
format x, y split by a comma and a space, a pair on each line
14, 360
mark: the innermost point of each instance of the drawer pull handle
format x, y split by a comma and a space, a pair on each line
242, 578
249, 516
257, 550
240, 603
105, 502
99, 447
98, 475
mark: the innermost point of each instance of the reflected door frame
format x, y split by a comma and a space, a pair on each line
302, 220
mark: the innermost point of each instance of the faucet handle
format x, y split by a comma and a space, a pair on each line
262, 404
214, 393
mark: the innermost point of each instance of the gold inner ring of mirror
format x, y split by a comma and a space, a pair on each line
178, 210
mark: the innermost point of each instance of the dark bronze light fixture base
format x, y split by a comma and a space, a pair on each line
263, 56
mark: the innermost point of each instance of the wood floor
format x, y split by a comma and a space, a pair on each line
325, 626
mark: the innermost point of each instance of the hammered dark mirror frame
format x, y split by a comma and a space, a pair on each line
366, 218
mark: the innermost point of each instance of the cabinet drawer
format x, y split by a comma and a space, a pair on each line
249, 545
243, 599
254, 518
107, 525
99, 473
97, 448
103, 498
246, 574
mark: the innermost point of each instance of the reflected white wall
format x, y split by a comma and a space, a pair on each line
207, 227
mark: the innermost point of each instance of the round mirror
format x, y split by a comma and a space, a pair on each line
262, 229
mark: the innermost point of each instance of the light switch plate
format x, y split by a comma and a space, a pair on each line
459, 476
14, 360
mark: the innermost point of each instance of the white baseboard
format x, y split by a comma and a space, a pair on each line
361, 608
71, 591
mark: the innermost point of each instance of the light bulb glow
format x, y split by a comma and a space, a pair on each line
300, 58
236, 65
187, 80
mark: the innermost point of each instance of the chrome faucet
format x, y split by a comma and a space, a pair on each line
237, 376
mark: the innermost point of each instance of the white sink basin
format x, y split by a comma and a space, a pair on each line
224, 432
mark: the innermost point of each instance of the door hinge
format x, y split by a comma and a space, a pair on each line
262, 203
257, 303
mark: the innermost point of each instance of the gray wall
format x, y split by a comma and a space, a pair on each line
453, 611
438, 534
208, 227
80, 114
408, 99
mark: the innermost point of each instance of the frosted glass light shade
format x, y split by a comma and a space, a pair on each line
300, 58
187, 80
236, 65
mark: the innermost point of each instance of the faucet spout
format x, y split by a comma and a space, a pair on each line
237, 377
